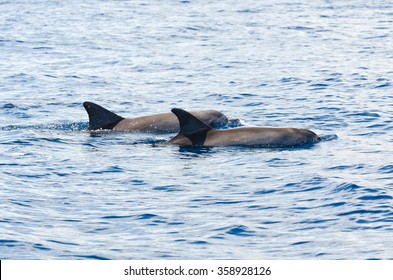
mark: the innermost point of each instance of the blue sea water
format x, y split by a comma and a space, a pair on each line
321, 65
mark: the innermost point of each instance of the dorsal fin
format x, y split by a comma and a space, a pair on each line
100, 118
191, 127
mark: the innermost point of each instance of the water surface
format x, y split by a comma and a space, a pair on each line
322, 65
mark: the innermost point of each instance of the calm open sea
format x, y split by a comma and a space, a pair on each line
321, 65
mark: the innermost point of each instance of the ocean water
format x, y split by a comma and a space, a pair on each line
322, 65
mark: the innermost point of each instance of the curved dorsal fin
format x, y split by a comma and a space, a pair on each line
99, 117
191, 127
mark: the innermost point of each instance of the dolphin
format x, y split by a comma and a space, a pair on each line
194, 132
101, 118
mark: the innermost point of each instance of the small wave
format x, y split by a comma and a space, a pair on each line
249, 11
147, 216
254, 104
110, 169
264, 192
317, 221
240, 230
364, 114
62, 242
346, 187
21, 204
288, 80
8, 242
384, 85
386, 169
300, 28
91, 257
328, 137
116, 217
319, 85
362, 212
8, 106
199, 242
337, 80
334, 204
43, 48
230, 202
232, 123
137, 182
73, 126
168, 188
41, 247
192, 152
343, 167
375, 197
300, 243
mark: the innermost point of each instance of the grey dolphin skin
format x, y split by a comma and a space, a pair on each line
194, 132
101, 118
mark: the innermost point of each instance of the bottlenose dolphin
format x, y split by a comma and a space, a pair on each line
194, 132
101, 118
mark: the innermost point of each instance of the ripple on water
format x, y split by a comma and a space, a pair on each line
240, 230
69, 126
236, 230
8, 242
41, 247
147, 216
363, 212
90, 257
9, 106
387, 169
375, 197
112, 217
167, 188
347, 167
347, 187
